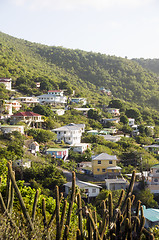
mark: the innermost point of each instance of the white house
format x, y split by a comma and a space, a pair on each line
152, 148
59, 111
28, 100
22, 163
7, 82
34, 147
111, 120
53, 97
112, 138
82, 101
91, 190
80, 147
113, 111
12, 128
70, 133
115, 184
14, 104
131, 122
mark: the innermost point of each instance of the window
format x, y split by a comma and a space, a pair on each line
155, 180
94, 190
99, 162
98, 169
64, 132
103, 169
110, 162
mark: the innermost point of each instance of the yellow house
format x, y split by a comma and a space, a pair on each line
105, 165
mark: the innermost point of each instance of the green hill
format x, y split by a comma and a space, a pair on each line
150, 64
57, 67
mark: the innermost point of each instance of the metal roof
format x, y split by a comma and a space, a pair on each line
82, 184
151, 214
104, 156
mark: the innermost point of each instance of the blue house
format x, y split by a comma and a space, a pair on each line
61, 153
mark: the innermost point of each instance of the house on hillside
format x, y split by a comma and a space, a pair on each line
104, 166
11, 128
22, 163
113, 111
30, 118
90, 190
80, 147
131, 122
59, 111
53, 97
116, 184
34, 147
152, 148
14, 104
82, 101
61, 153
70, 134
85, 167
153, 179
7, 82
28, 100
151, 217
111, 120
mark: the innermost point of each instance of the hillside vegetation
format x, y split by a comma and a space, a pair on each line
57, 67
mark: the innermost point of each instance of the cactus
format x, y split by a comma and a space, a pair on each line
26, 215
119, 222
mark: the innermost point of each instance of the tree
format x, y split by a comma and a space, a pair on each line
133, 113
124, 119
93, 114
146, 198
41, 135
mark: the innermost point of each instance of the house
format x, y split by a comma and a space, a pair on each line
7, 82
22, 163
115, 184
30, 118
107, 91
70, 134
112, 138
111, 120
28, 100
85, 167
111, 130
53, 97
104, 166
83, 110
61, 153
113, 111
131, 122
152, 148
11, 128
82, 101
34, 147
91, 190
59, 111
80, 147
93, 132
12, 104
135, 130
153, 179
151, 217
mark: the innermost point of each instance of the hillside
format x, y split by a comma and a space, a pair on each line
150, 64
57, 67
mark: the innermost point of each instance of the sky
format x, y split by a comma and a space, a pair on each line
124, 28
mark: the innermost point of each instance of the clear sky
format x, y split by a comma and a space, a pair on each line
114, 27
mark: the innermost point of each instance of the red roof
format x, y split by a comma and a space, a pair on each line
26, 114
55, 90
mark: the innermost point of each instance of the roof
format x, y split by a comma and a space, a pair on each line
56, 149
5, 79
11, 126
153, 145
26, 114
116, 167
55, 91
82, 184
35, 143
122, 180
155, 166
70, 127
151, 214
104, 156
